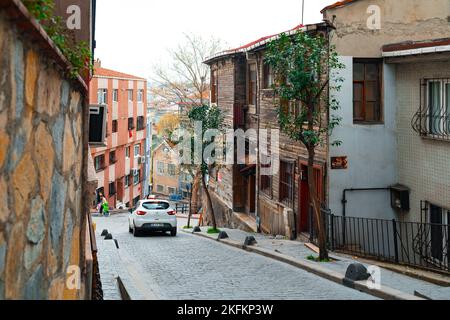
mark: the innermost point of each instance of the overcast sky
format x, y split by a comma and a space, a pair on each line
134, 35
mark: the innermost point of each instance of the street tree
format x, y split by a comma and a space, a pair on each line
187, 78
306, 70
204, 158
166, 126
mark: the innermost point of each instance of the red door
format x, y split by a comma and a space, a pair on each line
304, 224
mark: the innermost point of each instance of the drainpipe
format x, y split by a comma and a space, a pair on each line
344, 205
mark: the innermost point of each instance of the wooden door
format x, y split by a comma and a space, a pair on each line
305, 208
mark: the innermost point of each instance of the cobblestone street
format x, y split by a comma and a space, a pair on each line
189, 267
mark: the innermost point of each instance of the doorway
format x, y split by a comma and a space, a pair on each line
305, 209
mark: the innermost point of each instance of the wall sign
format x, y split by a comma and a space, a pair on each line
339, 163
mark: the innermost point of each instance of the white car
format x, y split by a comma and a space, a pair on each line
152, 215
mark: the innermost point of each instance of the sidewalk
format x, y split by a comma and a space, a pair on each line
298, 251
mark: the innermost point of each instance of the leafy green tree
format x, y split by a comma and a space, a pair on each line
305, 69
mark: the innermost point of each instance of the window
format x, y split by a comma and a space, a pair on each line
99, 163
102, 96
438, 95
115, 126
160, 168
127, 181
127, 152
268, 76
115, 95
140, 123
112, 157
172, 190
266, 180
287, 182
137, 177
171, 169
137, 150
140, 95
292, 108
130, 94
367, 91
439, 223
159, 189
112, 189
251, 84
214, 86
156, 205
131, 123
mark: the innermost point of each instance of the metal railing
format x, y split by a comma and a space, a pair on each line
416, 244
433, 117
182, 208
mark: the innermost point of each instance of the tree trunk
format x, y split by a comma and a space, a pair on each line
314, 198
190, 208
208, 196
194, 191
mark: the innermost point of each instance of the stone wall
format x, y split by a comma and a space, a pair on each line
42, 134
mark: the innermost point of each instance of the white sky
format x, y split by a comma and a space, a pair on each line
133, 35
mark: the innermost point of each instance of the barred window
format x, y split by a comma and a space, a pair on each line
287, 182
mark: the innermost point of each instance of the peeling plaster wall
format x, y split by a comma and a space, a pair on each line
400, 20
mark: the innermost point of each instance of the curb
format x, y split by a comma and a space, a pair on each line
384, 292
123, 290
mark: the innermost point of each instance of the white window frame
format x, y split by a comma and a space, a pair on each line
102, 96
443, 96
127, 152
159, 170
116, 95
137, 147
140, 95
130, 93
171, 188
136, 174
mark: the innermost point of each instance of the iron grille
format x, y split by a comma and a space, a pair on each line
433, 117
422, 244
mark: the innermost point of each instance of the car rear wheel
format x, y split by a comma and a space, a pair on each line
173, 233
130, 230
136, 232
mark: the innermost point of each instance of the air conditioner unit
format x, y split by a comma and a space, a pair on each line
97, 124
135, 172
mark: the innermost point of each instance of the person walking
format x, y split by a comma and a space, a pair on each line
100, 204
105, 207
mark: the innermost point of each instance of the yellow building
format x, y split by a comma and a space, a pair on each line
165, 170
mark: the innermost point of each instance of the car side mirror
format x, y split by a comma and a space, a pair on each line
130, 211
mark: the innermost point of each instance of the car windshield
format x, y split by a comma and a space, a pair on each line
158, 205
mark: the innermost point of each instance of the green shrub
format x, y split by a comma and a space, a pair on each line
213, 231
77, 53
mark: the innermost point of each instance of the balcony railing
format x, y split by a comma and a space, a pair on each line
432, 120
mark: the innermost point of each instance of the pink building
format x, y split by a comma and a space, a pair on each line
120, 163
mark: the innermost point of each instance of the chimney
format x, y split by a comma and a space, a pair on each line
97, 63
